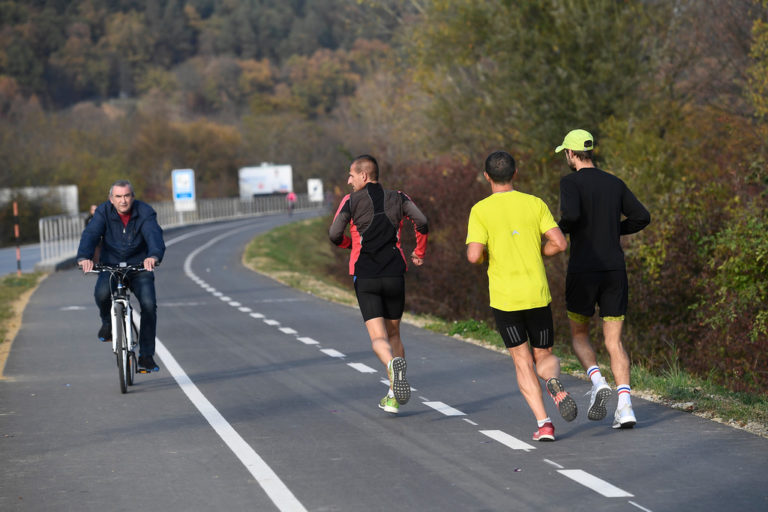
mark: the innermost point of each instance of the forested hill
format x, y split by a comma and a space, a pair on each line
67, 51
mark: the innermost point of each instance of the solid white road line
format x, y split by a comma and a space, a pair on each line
277, 491
596, 484
444, 409
507, 440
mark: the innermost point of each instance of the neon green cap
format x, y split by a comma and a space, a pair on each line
577, 140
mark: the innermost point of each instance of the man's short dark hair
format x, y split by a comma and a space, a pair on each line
121, 183
584, 155
367, 164
500, 167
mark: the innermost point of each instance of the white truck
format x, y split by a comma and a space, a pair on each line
266, 179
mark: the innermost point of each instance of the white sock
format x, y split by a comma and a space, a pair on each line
624, 392
391, 393
594, 374
544, 421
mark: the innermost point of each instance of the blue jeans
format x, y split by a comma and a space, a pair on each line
142, 284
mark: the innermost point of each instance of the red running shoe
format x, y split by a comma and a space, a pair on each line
565, 404
545, 433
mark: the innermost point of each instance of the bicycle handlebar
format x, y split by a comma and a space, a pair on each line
123, 268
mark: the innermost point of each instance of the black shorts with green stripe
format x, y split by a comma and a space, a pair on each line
608, 290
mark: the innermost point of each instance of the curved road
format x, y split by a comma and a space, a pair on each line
266, 401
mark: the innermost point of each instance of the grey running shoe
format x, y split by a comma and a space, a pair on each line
400, 386
563, 400
599, 396
624, 417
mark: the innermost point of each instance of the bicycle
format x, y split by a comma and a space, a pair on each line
125, 334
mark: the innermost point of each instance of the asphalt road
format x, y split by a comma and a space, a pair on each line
267, 400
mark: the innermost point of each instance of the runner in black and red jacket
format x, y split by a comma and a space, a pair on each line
378, 264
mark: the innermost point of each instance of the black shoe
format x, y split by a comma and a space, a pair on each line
147, 364
105, 332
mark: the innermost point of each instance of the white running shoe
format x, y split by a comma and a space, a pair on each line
624, 417
600, 394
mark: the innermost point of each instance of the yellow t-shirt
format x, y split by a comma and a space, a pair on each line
510, 225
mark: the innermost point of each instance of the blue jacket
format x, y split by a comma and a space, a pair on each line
132, 244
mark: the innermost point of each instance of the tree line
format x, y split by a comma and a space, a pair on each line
676, 93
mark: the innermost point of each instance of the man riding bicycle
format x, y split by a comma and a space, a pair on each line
129, 233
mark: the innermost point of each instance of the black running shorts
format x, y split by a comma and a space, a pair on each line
381, 297
609, 290
517, 327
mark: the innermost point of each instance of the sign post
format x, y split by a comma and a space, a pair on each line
183, 191
315, 190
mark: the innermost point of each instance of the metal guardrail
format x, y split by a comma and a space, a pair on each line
60, 234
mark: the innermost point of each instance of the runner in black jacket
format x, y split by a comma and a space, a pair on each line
378, 264
592, 204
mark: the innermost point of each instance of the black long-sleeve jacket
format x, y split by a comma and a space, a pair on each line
592, 203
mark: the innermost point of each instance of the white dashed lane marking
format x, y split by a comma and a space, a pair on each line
507, 440
444, 409
288, 330
362, 368
332, 352
596, 484
308, 341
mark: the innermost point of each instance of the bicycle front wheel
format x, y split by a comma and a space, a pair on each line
123, 366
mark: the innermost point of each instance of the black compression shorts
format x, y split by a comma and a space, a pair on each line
517, 327
381, 297
609, 290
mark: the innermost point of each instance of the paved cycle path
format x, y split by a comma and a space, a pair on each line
267, 401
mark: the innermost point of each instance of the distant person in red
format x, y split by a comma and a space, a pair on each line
291, 198
378, 264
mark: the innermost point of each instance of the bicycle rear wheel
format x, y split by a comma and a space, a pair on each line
123, 366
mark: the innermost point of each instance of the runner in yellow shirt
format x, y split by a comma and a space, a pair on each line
508, 227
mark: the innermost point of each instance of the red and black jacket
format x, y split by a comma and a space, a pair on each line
376, 218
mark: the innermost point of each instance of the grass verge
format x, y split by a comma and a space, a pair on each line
299, 255
14, 293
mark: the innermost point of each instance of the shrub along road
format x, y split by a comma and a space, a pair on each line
267, 401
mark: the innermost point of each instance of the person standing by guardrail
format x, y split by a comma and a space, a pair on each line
129, 233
